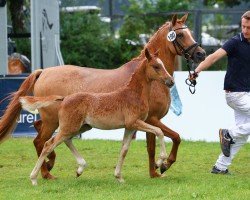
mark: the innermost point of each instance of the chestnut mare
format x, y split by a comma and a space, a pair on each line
65, 80
127, 107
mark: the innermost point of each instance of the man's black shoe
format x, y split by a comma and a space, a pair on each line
215, 170
225, 142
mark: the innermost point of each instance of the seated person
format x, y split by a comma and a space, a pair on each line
18, 64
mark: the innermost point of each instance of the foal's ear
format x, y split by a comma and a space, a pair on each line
174, 19
156, 54
147, 54
184, 18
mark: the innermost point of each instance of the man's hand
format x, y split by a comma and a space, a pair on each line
193, 76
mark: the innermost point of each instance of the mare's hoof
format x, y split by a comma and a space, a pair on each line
49, 165
48, 176
156, 166
154, 175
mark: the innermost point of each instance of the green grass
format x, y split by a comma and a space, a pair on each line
189, 177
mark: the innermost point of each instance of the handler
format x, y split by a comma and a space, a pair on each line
237, 92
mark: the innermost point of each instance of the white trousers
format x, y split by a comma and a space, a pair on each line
240, 102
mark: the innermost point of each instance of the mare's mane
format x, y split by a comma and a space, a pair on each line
154, 38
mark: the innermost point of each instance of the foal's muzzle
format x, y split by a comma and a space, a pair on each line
169, 82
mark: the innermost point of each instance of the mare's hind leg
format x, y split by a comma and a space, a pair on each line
52, 156
46, 129
151, 145
79, 159
47, 149
128, 135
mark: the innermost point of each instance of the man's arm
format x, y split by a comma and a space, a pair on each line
210, 60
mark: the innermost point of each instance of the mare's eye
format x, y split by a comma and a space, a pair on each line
180, 35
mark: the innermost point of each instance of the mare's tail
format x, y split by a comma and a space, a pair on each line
31, 103
9, 119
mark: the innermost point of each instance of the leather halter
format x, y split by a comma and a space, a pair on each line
185, 52
187, 55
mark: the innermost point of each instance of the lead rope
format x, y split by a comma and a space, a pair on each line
172, 38
190, 83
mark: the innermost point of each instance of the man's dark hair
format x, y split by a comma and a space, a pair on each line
246, 15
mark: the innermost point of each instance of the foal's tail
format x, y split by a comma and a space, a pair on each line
31, 103
9, 119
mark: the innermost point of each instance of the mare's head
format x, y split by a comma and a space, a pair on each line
155, 69
174, 38
182, 42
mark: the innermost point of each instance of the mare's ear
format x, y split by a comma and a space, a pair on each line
147, 54
174, 19
156, 54
184, 18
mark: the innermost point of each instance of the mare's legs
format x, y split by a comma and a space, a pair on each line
150, 137
127, 138
52, 156
143, 126
47, 149
45, 130
151, 146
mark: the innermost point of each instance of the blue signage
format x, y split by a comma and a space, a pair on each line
8, 85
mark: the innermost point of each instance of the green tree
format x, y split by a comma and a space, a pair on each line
87, 41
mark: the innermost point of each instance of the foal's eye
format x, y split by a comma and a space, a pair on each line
156, 67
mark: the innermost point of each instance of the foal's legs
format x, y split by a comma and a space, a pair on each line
79, 159
49, 146
151, 146
45, 130
143, 126
127, 138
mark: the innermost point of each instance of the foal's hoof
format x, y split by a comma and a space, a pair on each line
120, 180
34, 181
78, 174
164, 167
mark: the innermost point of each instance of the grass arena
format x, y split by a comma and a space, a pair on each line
189, 178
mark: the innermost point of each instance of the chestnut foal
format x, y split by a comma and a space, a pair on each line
127, 108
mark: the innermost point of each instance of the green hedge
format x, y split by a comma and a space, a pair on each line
87, 41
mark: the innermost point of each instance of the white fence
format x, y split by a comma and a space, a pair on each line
203, 112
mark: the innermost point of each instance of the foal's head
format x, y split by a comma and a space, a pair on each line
155, 69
